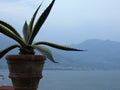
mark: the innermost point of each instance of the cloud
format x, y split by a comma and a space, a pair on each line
17, 9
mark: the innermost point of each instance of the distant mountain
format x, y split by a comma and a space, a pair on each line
100, 54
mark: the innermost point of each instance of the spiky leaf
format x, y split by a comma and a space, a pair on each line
25, 31
10, 34
10, 27
3, 52
45, 51
33, 19
58, 46
40, 22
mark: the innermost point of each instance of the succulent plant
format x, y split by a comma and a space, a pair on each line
25, 43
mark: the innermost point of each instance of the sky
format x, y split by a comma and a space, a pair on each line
70, 21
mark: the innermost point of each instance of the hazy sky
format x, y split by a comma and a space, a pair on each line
70, 21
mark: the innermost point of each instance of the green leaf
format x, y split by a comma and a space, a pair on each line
10, 34
33, 19
40, 22
45, 51
3, 52
10, 28
25, 31
58, 46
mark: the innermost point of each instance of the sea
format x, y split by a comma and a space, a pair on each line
74, 80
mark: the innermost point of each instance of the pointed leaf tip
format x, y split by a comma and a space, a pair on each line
58, 46
25, 31
40, 21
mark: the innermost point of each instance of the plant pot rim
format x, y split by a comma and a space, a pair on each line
23, 57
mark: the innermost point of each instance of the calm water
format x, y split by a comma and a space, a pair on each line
76, 80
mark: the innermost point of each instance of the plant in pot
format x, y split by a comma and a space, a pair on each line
26, 67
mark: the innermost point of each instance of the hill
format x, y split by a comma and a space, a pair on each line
101, 54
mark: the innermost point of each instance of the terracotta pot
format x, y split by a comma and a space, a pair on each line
25, 70
6, 88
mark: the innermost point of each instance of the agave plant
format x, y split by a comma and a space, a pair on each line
25, 43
